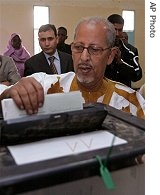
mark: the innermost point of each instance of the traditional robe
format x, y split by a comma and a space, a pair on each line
109, 92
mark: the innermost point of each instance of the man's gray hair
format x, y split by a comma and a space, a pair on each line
110, 30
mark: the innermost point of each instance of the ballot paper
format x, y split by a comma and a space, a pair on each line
63, 146
53, 103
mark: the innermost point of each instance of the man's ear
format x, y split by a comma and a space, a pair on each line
66, 37
112, 55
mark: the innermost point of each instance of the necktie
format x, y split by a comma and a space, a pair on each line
52, 65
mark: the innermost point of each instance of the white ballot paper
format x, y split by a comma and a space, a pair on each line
63, 146
53, 103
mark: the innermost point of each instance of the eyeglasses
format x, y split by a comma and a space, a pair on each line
92, 50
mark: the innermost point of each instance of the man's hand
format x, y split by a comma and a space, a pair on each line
28, 94
117, 54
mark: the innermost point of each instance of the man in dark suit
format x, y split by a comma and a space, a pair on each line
62, 36
125, 67
40, 62
131, 47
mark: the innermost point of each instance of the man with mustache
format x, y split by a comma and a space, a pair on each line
91, 50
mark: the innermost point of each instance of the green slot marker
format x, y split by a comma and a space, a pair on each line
105, 175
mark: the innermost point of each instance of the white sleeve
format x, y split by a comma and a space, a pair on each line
47, 79
3, 87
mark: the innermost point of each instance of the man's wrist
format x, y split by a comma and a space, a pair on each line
119, 61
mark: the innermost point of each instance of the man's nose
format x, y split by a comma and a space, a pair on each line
85, 54
47, 42
117, 32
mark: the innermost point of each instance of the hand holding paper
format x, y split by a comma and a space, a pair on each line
53, 103
27, 93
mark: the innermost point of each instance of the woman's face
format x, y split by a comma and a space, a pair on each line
16, 42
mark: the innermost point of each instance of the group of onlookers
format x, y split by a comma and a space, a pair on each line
99, 61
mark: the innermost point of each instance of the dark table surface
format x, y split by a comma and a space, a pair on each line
16, 179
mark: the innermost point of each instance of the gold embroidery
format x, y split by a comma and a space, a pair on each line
103, 93
126, 109
132, 98
55, 88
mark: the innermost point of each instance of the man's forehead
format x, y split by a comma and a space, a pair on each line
61, 31
48, 33
118, 26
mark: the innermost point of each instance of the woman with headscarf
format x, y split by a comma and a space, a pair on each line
18, 52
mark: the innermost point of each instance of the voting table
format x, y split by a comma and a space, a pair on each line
19, 178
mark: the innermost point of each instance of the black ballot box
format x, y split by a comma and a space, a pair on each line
15, 179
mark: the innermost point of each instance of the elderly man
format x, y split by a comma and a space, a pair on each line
91, 50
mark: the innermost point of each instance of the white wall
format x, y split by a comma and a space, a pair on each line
17, 16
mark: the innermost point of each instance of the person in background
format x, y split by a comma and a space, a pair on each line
8, 71
125, 37
125, 67
47, 36
18, 52
125, 40
92, 50
62, 36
